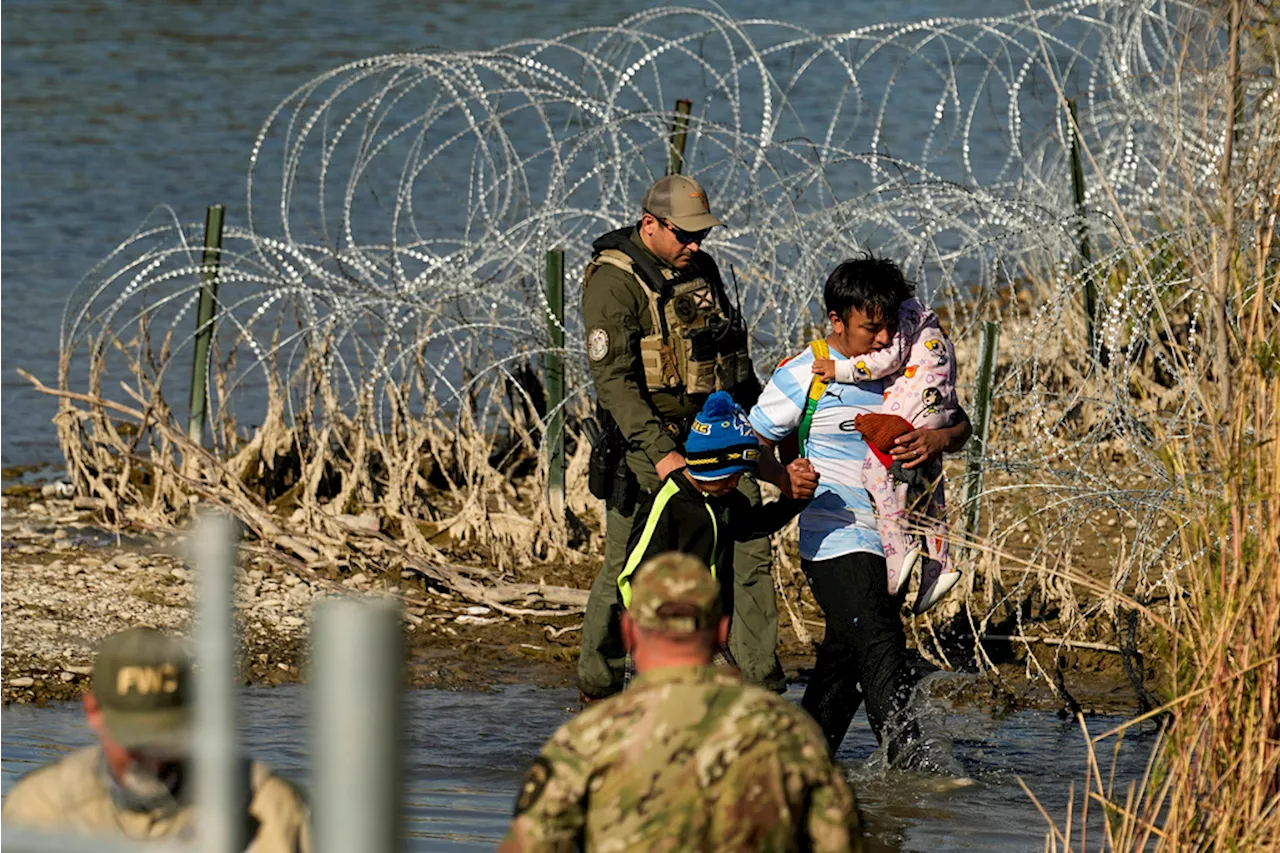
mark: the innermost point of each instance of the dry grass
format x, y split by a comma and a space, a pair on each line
405, 486
1213, 782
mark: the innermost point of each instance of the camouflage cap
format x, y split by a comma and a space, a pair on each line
675, 592
142, 681
681, 201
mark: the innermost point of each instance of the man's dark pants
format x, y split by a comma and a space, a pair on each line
863, 654
753, 637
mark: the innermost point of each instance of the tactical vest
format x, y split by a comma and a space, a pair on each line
687, 345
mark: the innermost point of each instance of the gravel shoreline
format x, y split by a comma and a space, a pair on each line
67, 583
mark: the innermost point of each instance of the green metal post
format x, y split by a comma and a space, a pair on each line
204, 321
1082, 232
679, 132
981, 423
553, 365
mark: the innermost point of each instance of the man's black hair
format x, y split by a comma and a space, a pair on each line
874, 286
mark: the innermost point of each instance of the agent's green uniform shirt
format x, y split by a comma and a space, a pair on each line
617, 316
615, 302
686, 759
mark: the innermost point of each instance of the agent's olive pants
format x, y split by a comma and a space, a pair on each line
753, 638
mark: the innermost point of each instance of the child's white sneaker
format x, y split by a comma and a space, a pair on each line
934, 585
909, 562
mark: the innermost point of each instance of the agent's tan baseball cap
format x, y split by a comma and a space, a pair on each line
142, 680
682, 202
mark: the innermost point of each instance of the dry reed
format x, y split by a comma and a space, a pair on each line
1213, 782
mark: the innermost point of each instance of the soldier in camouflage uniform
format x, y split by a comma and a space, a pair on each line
686, 758
662, 334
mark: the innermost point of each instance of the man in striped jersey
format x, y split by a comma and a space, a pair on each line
864, 651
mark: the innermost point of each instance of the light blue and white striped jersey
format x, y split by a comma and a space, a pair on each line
840, 519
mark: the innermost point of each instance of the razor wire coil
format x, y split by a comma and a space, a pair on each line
399, 207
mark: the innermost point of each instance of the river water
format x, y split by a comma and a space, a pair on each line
115, 108
466, 754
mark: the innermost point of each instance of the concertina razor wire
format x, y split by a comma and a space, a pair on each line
400, 207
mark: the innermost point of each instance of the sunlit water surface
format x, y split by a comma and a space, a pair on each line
466, 753
114, 108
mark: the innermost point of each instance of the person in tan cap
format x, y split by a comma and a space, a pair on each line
135, 783
662, 334
688, 757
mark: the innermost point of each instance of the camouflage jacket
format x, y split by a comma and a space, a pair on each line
686, 759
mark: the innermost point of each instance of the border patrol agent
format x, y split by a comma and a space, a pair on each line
687, 758
661, 336
134, 784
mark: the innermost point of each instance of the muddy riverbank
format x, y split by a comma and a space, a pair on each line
68, 582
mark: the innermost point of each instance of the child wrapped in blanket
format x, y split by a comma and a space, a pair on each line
919, 369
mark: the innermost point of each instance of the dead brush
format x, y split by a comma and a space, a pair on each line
1213, 782
338, 476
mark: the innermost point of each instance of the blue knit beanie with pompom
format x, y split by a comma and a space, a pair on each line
721, 441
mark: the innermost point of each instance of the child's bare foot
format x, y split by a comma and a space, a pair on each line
825, 367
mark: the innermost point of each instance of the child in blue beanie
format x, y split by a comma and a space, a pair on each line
698, 509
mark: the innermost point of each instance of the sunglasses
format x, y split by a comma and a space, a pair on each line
682, 236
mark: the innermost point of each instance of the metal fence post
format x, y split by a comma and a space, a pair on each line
553, 365
1082, 228
204, 322
976, 461
357, 675
679, 132
219, 772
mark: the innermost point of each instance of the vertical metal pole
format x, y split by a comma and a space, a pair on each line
981, 424
357, 783
204, 321
1082, 228
553, 365
220, 776
679, 132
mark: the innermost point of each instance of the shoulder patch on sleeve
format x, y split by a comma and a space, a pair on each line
535, 782
597, 344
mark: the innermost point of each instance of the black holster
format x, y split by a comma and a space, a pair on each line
609, 477
738, 377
